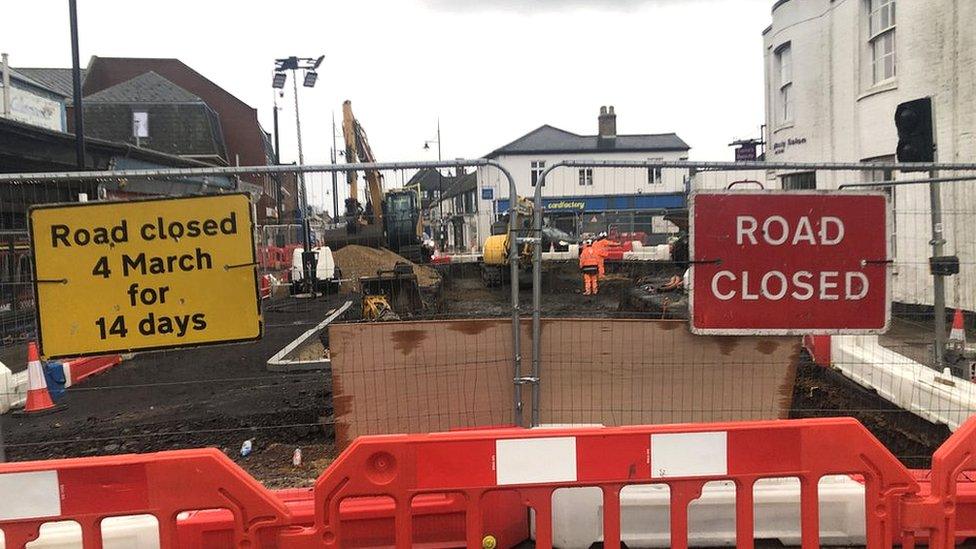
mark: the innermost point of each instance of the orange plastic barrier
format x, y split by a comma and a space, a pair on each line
469, 488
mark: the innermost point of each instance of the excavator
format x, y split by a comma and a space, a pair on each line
495, 263
391, 219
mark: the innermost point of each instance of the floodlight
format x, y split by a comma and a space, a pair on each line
279, 80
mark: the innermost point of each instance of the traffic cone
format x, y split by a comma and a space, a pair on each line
38, 397
957, 334
265, 287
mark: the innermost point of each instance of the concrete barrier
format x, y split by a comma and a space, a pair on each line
935, 396
13, 389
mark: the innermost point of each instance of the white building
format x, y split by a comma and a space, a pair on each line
29, 101
578, 199
836, 71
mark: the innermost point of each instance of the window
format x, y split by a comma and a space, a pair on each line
538, 166
586, 177
784, 69
872, 176
881, 39
140, 124
655, 176
800, 181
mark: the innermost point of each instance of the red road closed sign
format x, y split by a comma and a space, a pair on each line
787, 263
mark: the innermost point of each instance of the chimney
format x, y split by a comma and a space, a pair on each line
608, 123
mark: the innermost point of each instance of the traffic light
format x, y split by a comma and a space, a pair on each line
916, 143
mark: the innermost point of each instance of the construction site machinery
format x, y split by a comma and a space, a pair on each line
391, 219
327, 274
495, 258
395, 290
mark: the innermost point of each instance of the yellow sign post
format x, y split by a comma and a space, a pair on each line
148, 274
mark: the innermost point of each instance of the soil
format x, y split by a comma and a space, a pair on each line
310, 350
823, 392
210, 396
358, 261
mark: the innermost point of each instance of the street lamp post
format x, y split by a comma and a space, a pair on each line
335, 175
440, 181
294, 64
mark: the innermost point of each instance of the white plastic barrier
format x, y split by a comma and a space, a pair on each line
577, 514
465, 258
13, 389
937, 397
132, 532
659, 252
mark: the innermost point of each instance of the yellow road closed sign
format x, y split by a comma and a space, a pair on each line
148, 274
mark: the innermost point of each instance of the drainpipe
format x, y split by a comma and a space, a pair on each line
5, 68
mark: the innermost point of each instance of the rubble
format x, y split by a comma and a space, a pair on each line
359, 261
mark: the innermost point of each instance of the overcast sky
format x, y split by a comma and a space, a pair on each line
492, 70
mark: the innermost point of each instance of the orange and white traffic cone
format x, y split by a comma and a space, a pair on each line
38, 397
265, 286
957, 335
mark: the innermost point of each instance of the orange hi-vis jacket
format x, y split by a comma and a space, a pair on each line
602, 247
589, 257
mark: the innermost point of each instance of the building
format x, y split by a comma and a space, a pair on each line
26, 148
836, 71
182, 123
431, 183
587, 199
218, 128
460, 212
31, 102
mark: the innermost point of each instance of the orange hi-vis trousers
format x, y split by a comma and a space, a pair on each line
590, 284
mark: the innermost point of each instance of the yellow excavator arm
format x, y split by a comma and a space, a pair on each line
358, 149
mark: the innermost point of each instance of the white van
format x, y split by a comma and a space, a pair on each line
326, 273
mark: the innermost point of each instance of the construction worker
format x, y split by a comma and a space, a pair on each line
602, 246
589, 261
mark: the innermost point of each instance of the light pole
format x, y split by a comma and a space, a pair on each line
308, 65
440, 181
335, 175
76, 87
277, 159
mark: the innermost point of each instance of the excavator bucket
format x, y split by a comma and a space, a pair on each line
399, 287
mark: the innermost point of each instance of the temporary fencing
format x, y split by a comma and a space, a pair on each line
622, 357
293, 409
474, 488
642, 203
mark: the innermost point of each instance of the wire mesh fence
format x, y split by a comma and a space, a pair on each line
444, 358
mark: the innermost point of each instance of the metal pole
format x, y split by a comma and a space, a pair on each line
307, 255
277, 158
335, 175
513, 247
5, 67
277, 140
440, 191
76, 81
536, 300
938, 244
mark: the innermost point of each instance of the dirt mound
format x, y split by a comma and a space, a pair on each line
359, 261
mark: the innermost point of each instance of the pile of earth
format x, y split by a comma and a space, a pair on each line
358, 261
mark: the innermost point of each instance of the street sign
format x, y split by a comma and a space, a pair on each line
745, 152
788, 263
141, 275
